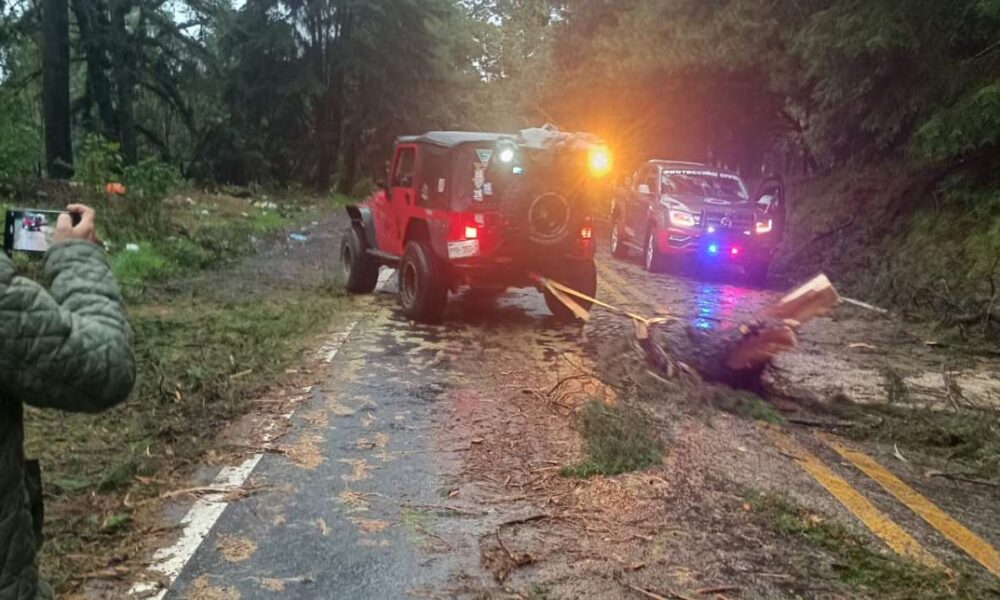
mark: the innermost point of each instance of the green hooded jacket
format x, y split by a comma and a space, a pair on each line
66, 348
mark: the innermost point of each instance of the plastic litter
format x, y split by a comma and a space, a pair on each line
298, 237
130, 247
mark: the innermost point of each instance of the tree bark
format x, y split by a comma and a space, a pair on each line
125, 64
735, 355
55, 89
93, 38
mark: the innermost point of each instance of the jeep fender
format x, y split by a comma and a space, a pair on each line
433, 231
362, 216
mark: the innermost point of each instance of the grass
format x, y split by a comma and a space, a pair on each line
967, 438
187, 352
100, 471
853, 562
747, 405
617, 438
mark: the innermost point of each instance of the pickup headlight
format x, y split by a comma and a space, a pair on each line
680, 215
764, 226
682, 218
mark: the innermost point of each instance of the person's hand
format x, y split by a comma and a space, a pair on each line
84, 230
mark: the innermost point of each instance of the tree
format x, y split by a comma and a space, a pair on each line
55, 89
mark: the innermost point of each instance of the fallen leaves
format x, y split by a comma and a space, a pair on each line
274, 585
370, 525
317, 418
500, 561
354, 501
201, 589
338, 409
359, 469
235, 548
305, 453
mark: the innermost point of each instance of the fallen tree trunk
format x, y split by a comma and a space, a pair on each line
735, 355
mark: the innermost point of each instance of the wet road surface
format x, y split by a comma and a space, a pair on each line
426, 463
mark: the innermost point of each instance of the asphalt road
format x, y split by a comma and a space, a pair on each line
37, 241
426, 462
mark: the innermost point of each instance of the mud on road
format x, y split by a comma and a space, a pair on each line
428, 461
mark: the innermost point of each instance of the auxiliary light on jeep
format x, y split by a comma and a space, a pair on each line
506, 155
599, 160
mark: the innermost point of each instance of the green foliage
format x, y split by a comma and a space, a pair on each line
970, 125
98, 162
745, 404
617, 438
151, 178
20, 143
133, 269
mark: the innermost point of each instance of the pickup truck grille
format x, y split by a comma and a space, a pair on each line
727, 219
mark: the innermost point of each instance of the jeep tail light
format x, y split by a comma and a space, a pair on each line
764, 226
735, 251
586, 232
471, 232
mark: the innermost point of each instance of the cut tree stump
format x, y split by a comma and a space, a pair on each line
735, 355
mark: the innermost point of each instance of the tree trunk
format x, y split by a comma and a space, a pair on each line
125, 74
55, 89
93, 38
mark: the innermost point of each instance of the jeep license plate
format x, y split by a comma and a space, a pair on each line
463, 249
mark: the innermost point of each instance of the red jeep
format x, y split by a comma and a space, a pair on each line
484, 210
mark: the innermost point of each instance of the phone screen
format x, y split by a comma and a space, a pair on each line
30, 230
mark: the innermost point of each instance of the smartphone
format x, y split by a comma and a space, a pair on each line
30, 229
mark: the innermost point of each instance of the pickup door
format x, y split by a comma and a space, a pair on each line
770, 200
640, 203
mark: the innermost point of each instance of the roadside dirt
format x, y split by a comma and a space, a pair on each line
430, 458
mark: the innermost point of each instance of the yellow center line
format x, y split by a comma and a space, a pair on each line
881, 525
972, 544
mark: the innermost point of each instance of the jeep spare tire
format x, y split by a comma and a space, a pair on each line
541, 214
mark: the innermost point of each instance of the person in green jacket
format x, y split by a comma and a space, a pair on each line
66, 347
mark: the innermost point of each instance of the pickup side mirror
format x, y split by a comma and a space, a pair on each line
643, 189
765, 202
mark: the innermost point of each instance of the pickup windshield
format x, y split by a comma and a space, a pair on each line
704, 184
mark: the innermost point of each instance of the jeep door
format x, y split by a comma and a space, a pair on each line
391, 213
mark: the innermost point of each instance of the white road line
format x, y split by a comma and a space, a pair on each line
332, 346
203, 515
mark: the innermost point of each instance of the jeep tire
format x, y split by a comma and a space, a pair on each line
618, 247
579, 275
423, 283
360, 269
